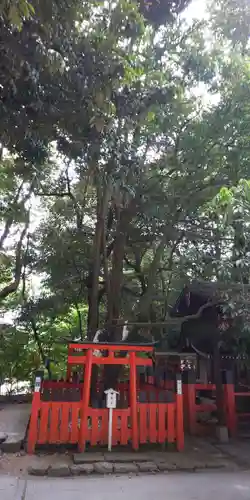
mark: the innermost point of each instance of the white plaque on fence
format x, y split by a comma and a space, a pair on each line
179, 387
111, 398
37, 384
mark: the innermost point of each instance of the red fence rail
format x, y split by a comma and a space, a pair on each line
60, 423
234, 417
192, 408
61, 412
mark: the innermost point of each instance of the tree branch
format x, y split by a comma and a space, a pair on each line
137, 268
6, 230
171, 321
38, 341
12, 287
10, 218
32, 320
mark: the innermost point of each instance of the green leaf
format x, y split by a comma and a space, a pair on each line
14, 16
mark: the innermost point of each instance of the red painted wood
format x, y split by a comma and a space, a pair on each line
54, 435
111, 347
152, 409
124, 426
204, 387
33, 425
133, 402
143, 426
60, 384
43, 424
64, 424
94, 428
110, 361
179, 423
104, 427
162, 423
169, 384
116, 429
81, 360
76, 360
230, 408
74, 429
191, 407
85, 402
171, 427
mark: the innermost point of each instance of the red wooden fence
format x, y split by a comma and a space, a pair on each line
59, 423
191, 408
234, 417
61, 412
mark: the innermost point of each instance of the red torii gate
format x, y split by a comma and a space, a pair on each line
154, 421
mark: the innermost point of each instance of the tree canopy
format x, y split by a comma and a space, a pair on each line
124, 167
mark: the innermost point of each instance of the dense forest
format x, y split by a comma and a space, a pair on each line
125, 168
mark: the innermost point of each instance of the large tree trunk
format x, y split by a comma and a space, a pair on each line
218, 384
101, 212
145, 310
116, 275
111, 373
116, 281
94, 290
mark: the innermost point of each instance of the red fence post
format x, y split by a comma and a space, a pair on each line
179, 414
133, 401
189, 391
35, 407
85, 401
229, 403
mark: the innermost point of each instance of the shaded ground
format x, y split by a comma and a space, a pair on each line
198, 455
238, 450
202, 486
14, 418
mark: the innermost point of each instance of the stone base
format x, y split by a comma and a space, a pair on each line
222, 434
125, 468
38, 468
82, 469
59, 470
103, 468
88, 458
3, 437
12, 444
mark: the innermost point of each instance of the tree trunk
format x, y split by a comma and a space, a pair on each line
93, 316
145, 302
218, 384
116, 279
116, 276
94, 291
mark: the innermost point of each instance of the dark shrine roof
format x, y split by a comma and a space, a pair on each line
200, 293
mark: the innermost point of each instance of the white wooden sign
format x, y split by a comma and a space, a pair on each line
111, 398
37, 384
179, 386
111, 401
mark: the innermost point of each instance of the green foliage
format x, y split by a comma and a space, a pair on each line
15, 11
131, 143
